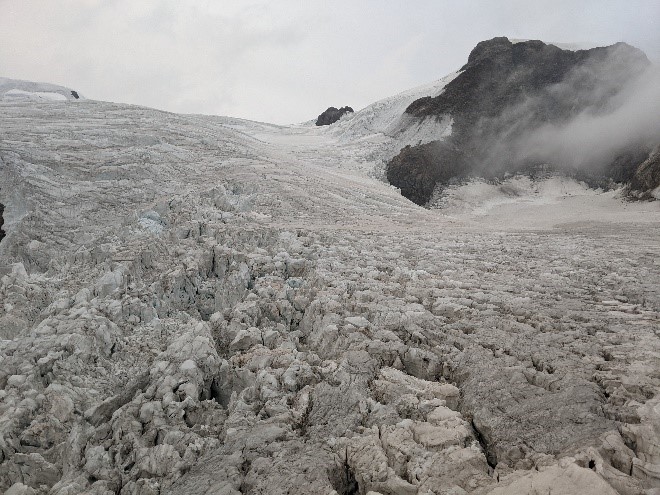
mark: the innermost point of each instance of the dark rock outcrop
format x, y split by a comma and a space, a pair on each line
332, 115
506, 104
647, 177
416, 169
75, 94
2, 221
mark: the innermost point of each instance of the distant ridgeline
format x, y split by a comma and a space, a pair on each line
518, 106
16, 90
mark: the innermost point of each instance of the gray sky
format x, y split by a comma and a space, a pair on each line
284, 61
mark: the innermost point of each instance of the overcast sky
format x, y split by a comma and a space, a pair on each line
284, 61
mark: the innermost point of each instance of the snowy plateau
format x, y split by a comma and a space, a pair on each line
206, 305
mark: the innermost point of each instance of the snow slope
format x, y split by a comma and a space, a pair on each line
194, 304
522, 202
387, 117
15, 89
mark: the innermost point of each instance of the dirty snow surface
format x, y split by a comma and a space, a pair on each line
204, 305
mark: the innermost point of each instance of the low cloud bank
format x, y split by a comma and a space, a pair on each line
619, 119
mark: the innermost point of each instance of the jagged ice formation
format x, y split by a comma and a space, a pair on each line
206, 305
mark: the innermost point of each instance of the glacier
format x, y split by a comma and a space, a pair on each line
209, 305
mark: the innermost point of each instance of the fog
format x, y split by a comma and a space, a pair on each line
594, 139
602, 111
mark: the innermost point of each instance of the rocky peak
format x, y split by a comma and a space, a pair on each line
505, 92
332, 115
500, 73
488, 50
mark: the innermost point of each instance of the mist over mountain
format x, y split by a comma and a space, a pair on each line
208, 305
518, 106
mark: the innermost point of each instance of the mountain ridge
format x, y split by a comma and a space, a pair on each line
504, 93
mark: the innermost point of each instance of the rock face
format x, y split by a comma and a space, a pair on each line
332, 115
2, 221
192, 307
508, 104
645, 184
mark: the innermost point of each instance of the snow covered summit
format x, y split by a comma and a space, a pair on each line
16, 89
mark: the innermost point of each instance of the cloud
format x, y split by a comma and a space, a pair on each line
603, 110
172, 55
592, 140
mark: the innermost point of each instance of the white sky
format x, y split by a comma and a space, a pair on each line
284, 61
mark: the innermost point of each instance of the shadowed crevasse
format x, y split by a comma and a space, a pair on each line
511, 106
2, 221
